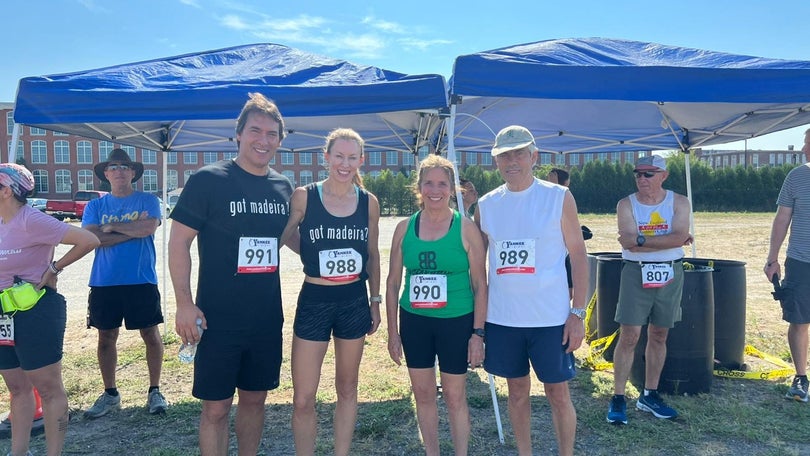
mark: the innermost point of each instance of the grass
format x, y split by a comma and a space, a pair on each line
737, 417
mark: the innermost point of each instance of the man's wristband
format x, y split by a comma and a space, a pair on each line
769, 263
377, 299
52, 267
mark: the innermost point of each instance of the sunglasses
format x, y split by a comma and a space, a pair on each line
116, 167
647, 174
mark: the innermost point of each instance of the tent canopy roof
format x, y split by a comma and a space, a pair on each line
598, 94
190, 102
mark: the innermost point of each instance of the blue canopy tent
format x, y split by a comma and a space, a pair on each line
190, 102
602, 95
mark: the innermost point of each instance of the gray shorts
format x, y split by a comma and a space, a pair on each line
638, 306
796, 292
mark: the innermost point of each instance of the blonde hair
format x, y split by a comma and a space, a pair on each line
431, 162
349, 135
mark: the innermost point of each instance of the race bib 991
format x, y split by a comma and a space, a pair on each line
257, 255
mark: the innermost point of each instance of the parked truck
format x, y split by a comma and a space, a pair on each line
72, 209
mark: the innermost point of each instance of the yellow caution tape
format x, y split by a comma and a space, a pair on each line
784, 371
589, 309
595, 359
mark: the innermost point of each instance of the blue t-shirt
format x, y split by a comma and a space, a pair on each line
131, 262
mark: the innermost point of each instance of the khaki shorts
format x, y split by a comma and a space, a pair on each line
638, 306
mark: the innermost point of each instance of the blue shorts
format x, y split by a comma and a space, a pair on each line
796, 292
509, 350
340, 309
137, 305
39, 334
228, 359
425, 338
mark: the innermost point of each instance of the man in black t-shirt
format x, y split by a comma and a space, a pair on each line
237, 210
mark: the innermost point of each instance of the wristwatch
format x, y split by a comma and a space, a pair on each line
580, 313
478, 332
640, 240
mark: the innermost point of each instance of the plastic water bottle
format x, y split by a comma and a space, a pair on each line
188, 351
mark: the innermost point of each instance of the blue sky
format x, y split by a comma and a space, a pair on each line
416, 36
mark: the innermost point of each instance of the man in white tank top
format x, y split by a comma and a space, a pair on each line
653, 228
528, 226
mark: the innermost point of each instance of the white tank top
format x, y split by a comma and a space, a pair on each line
654, 221
527, 280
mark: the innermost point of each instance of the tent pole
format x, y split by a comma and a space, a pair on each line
688, 171
15, 138
165, 244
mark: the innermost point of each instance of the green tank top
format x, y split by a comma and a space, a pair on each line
435, 270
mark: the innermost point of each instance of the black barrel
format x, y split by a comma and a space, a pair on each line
593, 323
729, 311
689, 364
608, 277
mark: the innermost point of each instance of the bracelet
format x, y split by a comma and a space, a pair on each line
52, 267
769, 263
377, 299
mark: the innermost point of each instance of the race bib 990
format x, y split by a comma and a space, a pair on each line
428, 291
257, 255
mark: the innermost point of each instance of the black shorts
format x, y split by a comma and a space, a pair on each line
340, 309
137, 305
425, 338
230, 359
39, 334
796, 292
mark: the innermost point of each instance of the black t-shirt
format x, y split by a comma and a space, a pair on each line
226, 204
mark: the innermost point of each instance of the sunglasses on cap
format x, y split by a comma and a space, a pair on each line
117, 166
647, 174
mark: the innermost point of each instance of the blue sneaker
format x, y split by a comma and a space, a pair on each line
654, 404
617, 413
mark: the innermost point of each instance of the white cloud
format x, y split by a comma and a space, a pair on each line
383, 25
91, 5
233, 21
190, 3
420, 44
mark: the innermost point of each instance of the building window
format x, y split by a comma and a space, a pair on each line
186, 174
391, 158
375, 158
323, 174
486, 159
587, 157
306, 177
407, 159
190, 158
41, 181
148, 157
545, 159
574, 159
322, 160
305, 158
287, 158
171, 180
37, 131
104, 149
10, 123
289, 175
374, 174
755, 160
171, 158
59, 133
39, 151
209, 157
61, 152
423, 152
472, 158
63, 183
20, 149
273, 160
150, 181
229, 155
84, 152
85, 179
